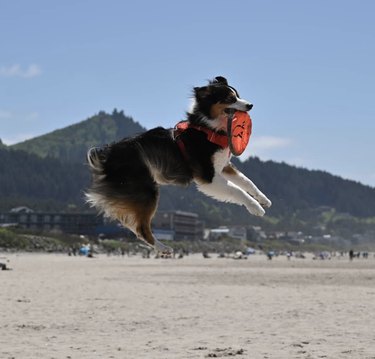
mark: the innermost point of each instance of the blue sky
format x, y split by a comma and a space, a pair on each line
308, 67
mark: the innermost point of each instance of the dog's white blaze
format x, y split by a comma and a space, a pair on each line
240, 105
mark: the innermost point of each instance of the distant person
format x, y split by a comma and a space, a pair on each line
3, 266
205, 254
351, 254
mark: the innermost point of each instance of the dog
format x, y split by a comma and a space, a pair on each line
126, 175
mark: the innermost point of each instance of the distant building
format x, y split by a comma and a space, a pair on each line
21, 209
238, 232
74, 223
177, 225
235, 232
164, 234
218, 233
171, 225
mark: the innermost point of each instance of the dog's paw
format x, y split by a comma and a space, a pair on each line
265, 202
256, 209
161, 247
260, 212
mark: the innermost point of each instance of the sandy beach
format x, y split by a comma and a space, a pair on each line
56, 306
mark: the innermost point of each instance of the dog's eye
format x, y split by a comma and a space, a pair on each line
230, 99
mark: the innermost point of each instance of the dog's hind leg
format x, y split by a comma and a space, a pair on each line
144, 232
143, 215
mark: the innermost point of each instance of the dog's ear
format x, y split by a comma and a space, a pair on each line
220, 80
201, 92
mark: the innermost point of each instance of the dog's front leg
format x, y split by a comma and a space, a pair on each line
232, 174
226, 191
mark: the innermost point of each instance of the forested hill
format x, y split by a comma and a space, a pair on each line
70, 144
292, 188
40, 183
50, 172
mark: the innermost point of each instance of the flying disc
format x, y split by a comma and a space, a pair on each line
239, 131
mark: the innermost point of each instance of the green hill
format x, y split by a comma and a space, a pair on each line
70, 144
40, 183
49, 173
292, 188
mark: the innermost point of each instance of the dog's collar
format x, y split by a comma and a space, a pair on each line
212, 136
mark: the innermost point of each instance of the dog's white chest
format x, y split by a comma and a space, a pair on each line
221, 159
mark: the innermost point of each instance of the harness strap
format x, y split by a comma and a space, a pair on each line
182, 148
212, 136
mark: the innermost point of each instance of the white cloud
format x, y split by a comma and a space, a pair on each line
17, 126
16, 70
19, 137
264, 145
28, 116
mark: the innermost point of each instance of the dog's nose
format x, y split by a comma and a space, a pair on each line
249, 106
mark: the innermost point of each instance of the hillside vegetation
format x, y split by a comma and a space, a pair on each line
40, 183
49, 173
70, 144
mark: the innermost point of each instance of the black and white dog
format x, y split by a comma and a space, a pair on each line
127, 174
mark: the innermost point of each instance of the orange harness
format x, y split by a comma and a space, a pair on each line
212, 136
239, 131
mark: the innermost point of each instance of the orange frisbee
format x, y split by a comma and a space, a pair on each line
239, 131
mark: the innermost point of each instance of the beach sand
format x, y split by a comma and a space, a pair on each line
56, 306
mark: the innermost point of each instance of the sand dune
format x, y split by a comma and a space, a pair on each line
55, 306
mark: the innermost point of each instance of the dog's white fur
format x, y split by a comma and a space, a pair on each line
234, 188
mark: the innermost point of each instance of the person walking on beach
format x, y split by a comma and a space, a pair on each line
351, 254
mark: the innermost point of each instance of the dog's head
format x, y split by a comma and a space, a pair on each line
213, 102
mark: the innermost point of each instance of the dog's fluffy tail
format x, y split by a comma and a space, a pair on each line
95, 160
